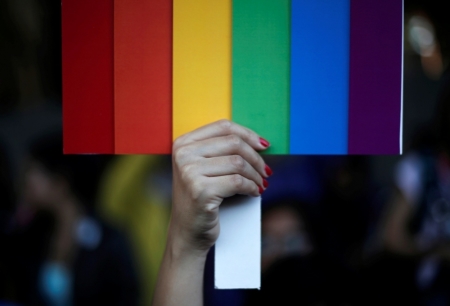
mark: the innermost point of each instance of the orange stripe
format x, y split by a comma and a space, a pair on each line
143, 76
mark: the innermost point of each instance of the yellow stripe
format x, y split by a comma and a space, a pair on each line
201, 63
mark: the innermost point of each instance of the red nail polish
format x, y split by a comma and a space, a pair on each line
264, 142
269, 171
265, 183
261, 190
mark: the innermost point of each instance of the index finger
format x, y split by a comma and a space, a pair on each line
223, 128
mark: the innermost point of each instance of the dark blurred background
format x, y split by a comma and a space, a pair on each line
337, 230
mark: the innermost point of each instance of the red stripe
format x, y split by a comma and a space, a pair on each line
143, 76
87, 54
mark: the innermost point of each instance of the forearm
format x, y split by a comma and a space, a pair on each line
396, 235
180, 279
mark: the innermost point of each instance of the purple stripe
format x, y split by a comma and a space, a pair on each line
375, 76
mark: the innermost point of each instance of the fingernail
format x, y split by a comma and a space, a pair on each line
264, 142
265, 183
261, 190
269, 171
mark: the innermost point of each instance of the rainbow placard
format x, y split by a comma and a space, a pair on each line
311, 76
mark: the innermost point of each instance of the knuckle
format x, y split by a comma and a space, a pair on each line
210, 209
179, 142
238, 162
197, 189
234, 141
176, 144
225, 125
187, 172
237, 181
181, 153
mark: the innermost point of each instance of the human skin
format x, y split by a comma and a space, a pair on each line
47, 191
211, 163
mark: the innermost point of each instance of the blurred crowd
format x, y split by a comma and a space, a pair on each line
336, 230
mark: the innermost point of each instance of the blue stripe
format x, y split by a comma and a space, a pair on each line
320, 44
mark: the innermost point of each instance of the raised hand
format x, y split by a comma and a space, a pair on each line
211, 163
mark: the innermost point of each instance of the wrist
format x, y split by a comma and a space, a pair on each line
180, 249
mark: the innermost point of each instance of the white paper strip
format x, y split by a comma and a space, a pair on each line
238, 248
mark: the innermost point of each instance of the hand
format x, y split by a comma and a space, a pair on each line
211, 163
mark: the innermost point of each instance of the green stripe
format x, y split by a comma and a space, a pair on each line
260, 69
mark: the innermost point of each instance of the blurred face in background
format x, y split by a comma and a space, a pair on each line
283, 234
